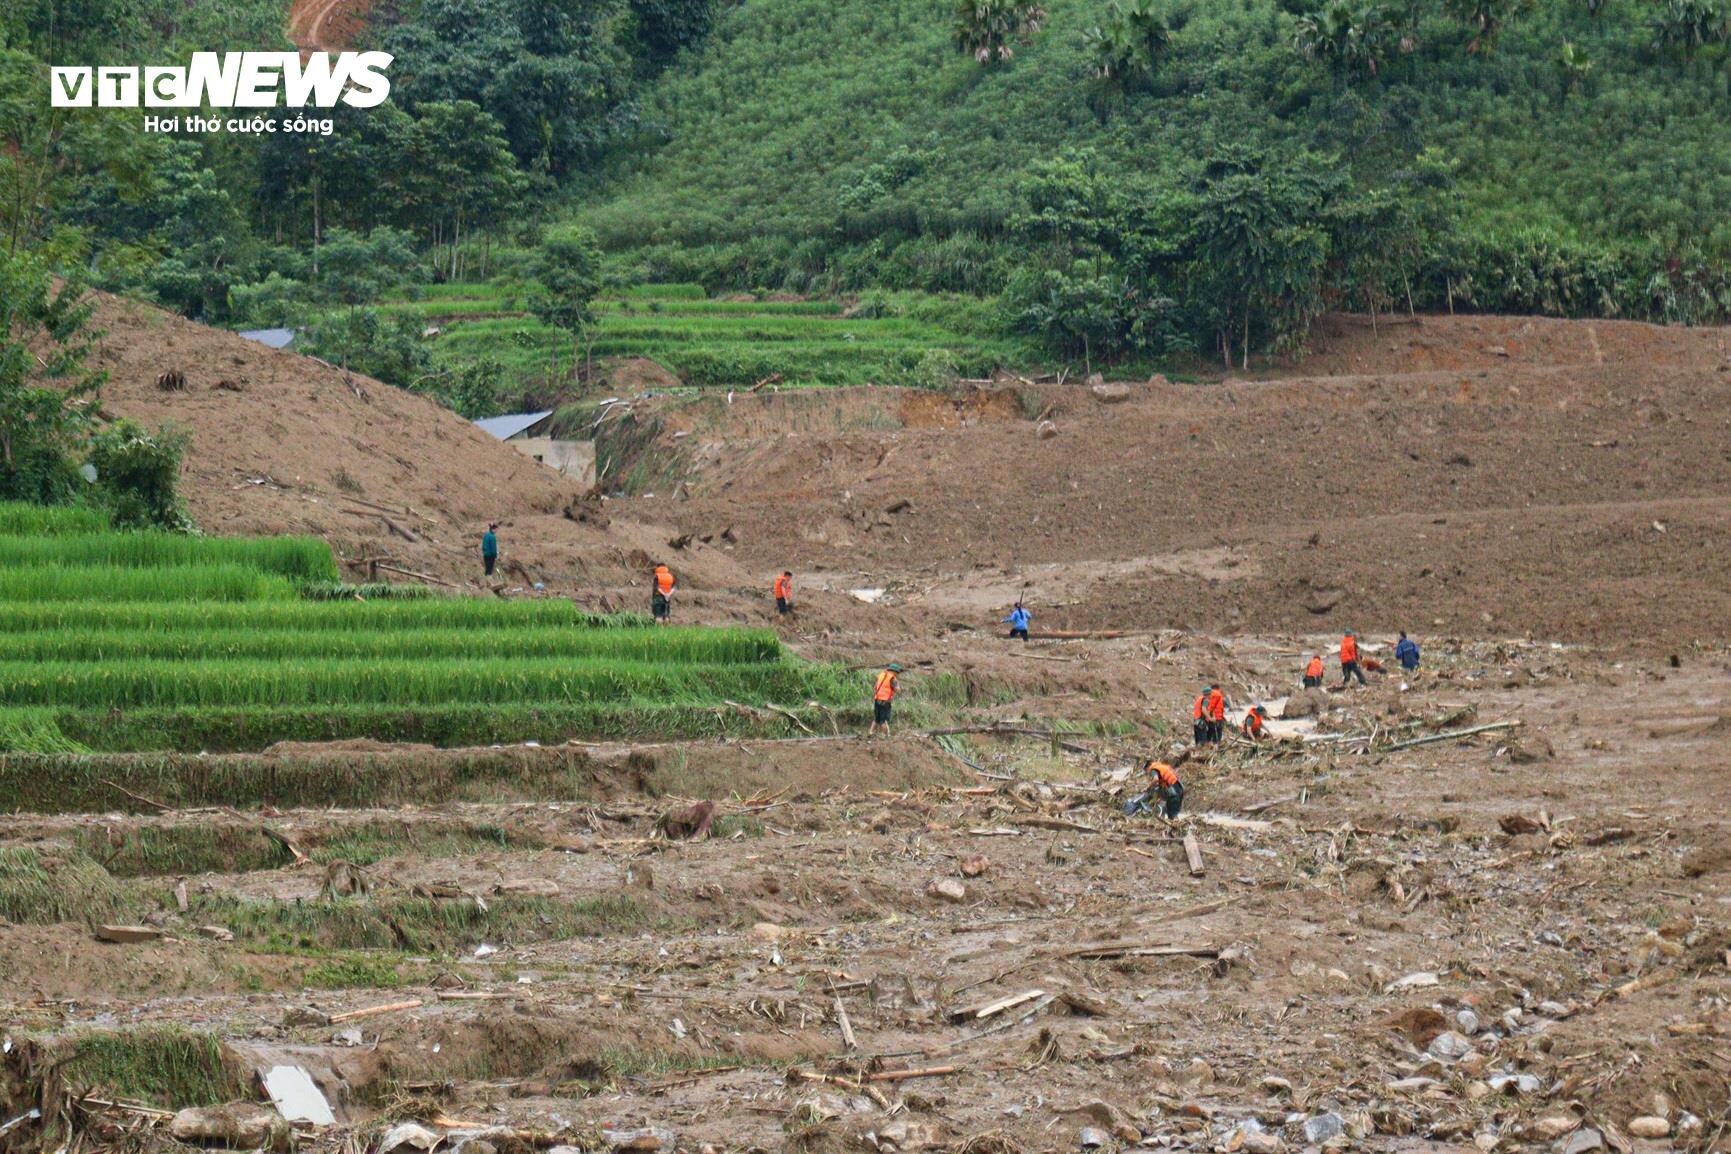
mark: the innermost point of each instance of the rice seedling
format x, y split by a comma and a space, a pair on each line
118, 613
418, 925
50, 884
107, 583
34, 783
451, 726
163, 1066
35, 731
502, 681
18, 518
300, 558
667, 646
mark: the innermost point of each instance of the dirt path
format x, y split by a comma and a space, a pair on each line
326, 25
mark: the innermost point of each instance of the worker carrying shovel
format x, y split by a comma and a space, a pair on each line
1163, 786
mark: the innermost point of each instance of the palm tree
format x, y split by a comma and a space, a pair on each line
1485, 19
1127, 49
1690, 25
985, 29
1350, 38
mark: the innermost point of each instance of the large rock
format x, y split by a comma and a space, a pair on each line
1305, 703
1112, 393
1046, 430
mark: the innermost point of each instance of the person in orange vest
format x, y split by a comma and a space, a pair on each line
784, 593
883, 694
1209, 715
1349, 667
1313, 672
1163, 784
1216, 709
661, 597
1253, 722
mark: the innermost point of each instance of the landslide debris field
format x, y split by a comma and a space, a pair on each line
446, 856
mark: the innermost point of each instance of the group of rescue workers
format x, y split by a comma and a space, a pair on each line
1207, 714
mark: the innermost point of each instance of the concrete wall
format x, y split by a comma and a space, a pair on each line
575, 459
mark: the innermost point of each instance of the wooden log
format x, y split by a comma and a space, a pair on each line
1454, 733
847, 1038
904, 1075
1056, 823
989, 1009
375, 1011
1193, 853
1101, 950
431, 580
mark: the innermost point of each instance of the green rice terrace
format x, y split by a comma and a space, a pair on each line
885, 338
134, 642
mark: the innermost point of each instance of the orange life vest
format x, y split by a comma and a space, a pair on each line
1196, 710
1348, 649
1314, 669
1161, 774
783, 588
1253, 724
885, 690
664, 579
1216, 706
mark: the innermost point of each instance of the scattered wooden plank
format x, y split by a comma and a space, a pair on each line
1056, 823
1129, 949
1193, 853
998, 832
138, 797
1221, 821
428, 578
904, 1075
847, 1039
129, 935
375, 1011
989, 1009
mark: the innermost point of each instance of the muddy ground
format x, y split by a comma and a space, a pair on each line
1513, 940
1357, 905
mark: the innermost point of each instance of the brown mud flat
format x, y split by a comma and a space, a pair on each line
1478, 941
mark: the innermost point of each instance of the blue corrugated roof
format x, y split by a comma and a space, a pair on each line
275, 338
511, 424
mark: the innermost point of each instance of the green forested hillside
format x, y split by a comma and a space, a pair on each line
812, 141
1100, 180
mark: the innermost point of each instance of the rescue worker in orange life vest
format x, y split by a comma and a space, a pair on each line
1163, 785
661, 596
1209, 715
1349, 667
783, 590
883, 694
1253, 723
1313, 672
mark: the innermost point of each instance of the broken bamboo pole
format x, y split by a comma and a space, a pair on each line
1454, 733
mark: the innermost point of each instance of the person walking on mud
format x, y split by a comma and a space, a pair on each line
1018, 621
1406, 652
490, 549
783, 591
661, 596
883, 696
1349, 666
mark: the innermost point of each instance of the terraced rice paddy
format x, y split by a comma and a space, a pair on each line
137, 642
727, 343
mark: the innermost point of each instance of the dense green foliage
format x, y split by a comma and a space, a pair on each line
1125, 178
1563, 158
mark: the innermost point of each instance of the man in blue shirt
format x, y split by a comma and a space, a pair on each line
1406, 652
490, 548
1018, 621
